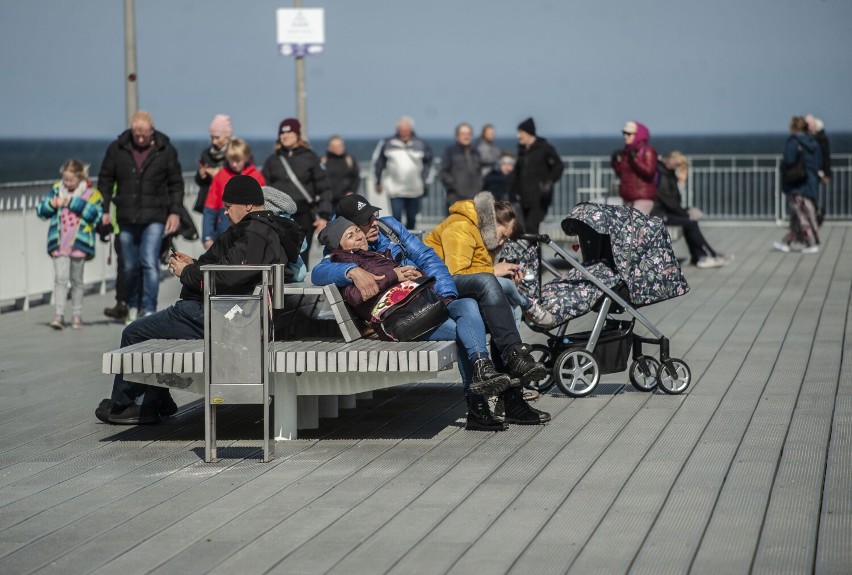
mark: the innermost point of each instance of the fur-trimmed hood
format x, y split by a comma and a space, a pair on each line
467, 239
480, 211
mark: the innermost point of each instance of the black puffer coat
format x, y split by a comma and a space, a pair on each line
142, 196
536, 171
306, 166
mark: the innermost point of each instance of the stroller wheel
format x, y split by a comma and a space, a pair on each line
542, 353
675, 379
645, 373
576, 372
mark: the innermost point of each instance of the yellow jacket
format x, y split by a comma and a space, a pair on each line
467, 239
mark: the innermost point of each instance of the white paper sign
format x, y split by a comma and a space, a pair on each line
300, 31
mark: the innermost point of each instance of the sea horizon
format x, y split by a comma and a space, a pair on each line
38, 158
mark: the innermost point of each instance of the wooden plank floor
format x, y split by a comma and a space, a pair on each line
747, 472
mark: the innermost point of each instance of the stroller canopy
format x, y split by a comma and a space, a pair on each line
641, 249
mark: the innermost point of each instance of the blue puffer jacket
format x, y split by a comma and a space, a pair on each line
419, 255
813, 163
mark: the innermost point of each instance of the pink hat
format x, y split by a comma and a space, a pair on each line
221, 126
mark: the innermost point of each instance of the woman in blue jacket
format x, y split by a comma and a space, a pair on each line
801, 194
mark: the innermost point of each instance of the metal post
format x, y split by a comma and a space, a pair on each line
301, 90
131, 89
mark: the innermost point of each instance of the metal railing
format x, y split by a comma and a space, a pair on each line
724, 187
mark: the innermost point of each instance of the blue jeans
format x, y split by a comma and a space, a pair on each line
520, 303
494, 308
411, 207
466, 328
183, 320
140, 248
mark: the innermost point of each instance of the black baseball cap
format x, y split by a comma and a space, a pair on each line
356, 209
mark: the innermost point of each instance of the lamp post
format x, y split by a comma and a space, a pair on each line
301, 89
131, 89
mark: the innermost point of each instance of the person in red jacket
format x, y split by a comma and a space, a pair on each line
238, 162
635, 165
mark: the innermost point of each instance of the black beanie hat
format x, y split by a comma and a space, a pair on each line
527, 126
243, 190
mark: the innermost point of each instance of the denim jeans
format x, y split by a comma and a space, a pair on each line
465, 327
411, 207
140, 248
183, 320
494, 307
519, 303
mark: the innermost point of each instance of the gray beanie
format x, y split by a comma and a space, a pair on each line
333, 231
277, 201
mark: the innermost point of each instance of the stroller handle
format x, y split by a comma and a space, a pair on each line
538, 238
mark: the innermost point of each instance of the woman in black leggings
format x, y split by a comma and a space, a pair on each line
673, 170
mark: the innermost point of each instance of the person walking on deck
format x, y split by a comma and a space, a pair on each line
489, 151
401, 164
342, 169
537, 168
461, 167
212, 158
142, 166
635, 166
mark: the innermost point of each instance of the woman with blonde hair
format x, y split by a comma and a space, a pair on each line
73, 207
673, 170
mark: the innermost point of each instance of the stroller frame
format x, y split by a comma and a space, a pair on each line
576, 371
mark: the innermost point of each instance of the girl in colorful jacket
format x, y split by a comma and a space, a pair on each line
73, 207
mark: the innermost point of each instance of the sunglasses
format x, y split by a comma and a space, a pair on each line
628, 134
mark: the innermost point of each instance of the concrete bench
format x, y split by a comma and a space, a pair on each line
311, 377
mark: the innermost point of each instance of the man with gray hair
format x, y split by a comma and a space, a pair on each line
401, 164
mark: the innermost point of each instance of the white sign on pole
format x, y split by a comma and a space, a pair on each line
300, 31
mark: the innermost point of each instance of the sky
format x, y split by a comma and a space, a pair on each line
579, 67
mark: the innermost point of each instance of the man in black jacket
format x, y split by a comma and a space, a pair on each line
537, 169
343, 172
256, 237
461, 167
141, 174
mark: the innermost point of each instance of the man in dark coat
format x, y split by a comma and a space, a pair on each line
141, 174
343, 172
461, 167
256, 237
537, 169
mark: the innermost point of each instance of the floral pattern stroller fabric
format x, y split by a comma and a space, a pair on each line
627, 263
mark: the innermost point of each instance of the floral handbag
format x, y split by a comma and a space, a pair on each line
408, 310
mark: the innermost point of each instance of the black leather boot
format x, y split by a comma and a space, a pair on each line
117, 312
479, 416
521, 365
487, 380
516, 410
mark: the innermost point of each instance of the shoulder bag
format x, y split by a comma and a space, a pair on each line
796, 173
292, 175
408, 310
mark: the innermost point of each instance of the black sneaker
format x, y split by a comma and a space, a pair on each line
117, 312
515, 410
102, 412
521, 365
487, 380
168, 407
479, 416
135, 414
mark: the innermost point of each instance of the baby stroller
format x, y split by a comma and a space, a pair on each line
628, 262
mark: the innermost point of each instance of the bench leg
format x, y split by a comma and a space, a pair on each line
327, 406
285, 406
308, 417
346, 401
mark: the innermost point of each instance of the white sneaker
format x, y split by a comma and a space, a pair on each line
709, 262
539, 316
781, 247
811, 250
132, 314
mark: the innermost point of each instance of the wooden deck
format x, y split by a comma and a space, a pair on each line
750, 471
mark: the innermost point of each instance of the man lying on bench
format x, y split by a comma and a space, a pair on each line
257, 237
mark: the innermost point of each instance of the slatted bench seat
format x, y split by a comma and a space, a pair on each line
309, 377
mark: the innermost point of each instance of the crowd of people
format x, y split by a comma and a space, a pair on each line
271, 214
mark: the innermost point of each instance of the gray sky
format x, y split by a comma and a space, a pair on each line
580, 67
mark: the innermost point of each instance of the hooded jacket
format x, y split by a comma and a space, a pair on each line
142, 196
306, 167
467, 240
636, 167
88, 209
259, 238
536, 170
813, 163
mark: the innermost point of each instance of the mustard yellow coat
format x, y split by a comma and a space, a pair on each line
458, 239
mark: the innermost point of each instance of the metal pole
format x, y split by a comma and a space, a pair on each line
131, 89
301, 90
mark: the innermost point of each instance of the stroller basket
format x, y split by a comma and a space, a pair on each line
613, 347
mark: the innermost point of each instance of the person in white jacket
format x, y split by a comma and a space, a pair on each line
401, 164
